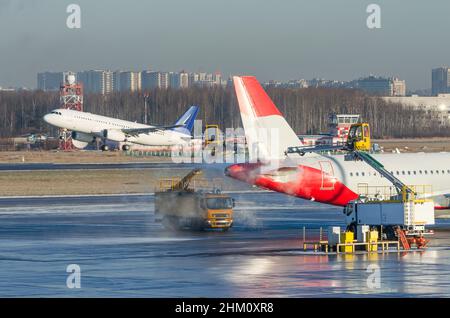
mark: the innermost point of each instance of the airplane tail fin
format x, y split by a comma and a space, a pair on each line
186, 121
267, 132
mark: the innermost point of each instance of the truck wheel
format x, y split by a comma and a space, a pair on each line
390, 233
165, 222
170, 224
351, 228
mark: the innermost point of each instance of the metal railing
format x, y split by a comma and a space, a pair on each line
166, 184
385, 193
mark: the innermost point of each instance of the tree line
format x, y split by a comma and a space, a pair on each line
306, 109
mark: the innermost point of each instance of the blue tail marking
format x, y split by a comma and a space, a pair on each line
187, 121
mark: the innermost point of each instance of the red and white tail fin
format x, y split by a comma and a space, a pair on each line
267, 131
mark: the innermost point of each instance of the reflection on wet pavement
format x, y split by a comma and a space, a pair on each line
122, 252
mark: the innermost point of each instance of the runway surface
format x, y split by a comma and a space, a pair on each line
91, 166
122, 252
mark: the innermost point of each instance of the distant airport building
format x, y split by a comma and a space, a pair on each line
437, 107
127, 81
382, 86
50, 81
96, 81
338, 128
440, 81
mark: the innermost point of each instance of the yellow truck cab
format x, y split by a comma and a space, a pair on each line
219, 210
359, 137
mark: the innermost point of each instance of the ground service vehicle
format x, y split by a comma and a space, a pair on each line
180, 206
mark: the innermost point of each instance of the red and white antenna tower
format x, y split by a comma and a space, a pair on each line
71, 97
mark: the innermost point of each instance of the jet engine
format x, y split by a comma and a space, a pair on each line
114, 135
79, 136
79, 144
81, 140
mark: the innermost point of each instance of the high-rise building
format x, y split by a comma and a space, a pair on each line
179, 80
217, 78
398, 87
164, 80
193, 78
105, 81
127, 81
116, 81
382, 86
146, 80
202, 76
206, 79
50, 81
184, 80
152, 80
376, 85
440, 81
155, 80
97, 81
173, 79
109, 82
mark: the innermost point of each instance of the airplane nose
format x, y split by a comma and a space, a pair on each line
47, 118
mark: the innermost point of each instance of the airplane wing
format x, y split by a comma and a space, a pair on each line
444, 194
146, 130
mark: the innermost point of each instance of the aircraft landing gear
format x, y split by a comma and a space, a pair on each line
126, 147
104, 148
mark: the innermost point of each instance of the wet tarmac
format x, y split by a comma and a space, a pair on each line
92, 166
122, 252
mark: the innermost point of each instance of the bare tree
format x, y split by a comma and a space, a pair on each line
306, 109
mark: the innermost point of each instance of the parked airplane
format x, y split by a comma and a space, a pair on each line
331, 179
87, 127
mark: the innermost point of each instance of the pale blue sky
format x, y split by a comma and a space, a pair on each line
281, 40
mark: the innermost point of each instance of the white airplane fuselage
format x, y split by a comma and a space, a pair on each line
96, 125
332, 179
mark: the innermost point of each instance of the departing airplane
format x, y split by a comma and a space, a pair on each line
331, 179
87, 127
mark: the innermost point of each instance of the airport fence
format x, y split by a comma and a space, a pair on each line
141, 153
313, 234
